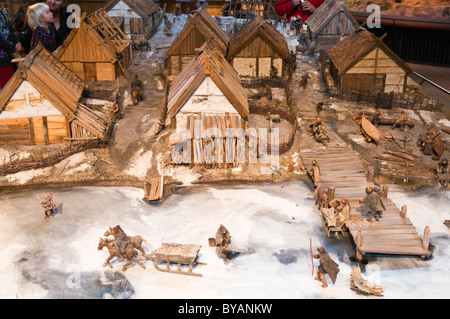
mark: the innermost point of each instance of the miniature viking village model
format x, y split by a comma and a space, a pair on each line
215, 82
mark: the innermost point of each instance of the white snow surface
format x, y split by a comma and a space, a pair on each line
58, 258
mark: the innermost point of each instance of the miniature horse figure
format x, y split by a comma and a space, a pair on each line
136, 241
130, 254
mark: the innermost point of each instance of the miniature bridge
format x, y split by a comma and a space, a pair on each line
343, 174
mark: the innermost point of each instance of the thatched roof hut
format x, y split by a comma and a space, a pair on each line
362, 62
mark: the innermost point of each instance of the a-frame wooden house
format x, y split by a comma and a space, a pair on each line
207, 86
41, 104
362, 62
199, 28
98, 50
256, 48
329, 24
139, 18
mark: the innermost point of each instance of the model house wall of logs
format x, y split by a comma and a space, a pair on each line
139, 18
199, 28
362, 62
98, 50
41, 104
256, 48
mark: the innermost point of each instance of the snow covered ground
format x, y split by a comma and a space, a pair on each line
58, 258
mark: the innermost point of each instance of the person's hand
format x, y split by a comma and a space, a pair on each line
19, 47
308, 6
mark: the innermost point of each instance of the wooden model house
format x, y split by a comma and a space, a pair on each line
256, 48
98, 50
139, 18
362, 62
41, 104
329, 24
199, 28
207, 86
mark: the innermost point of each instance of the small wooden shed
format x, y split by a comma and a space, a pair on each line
98, 50
329, 24
199, 28
139, 18
41, 104
256, 48
209, 86
362, 62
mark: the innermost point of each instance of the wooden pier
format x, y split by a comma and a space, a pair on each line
342, 171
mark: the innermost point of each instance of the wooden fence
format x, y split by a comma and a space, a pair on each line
14, 166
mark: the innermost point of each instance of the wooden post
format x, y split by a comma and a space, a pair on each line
426, 238
370, 174
403, 211
358, 245
330, 193
385, 191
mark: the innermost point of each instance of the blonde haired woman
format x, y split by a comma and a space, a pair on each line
40, 20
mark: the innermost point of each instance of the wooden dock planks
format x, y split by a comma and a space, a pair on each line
342, 169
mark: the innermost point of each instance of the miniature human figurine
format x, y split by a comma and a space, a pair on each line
168, 30
427, 145
49, 206
442, 167
376, 117
273, 72
304, 80
319, 106
137, 90
372, 204
178, 10
297, 25
313, 127
268, 92
320, 135
402, 118
223, 237
326, 266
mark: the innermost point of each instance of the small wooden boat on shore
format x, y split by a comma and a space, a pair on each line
370, 132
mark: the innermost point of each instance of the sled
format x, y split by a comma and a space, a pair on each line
330, 224
180, 254
369, 130
153, 191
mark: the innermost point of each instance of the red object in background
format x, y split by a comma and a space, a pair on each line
5, 74
283, 7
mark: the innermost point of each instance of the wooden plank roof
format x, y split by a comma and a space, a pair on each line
258, 27
356, 46
325, 13
213, 64
207, 26
143, 8
104, 33
51, 78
